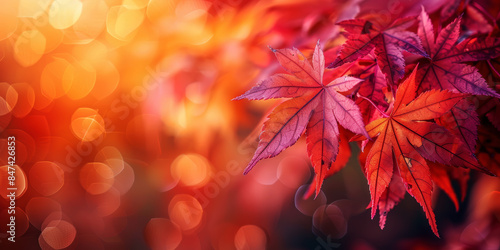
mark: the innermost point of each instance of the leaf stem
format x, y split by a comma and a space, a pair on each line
493, 68
370, 101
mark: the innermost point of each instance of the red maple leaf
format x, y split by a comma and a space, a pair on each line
406, 139
339, 163
387, 40
372, 92
443, 69
316, 108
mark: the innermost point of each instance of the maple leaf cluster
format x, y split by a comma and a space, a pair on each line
409, 95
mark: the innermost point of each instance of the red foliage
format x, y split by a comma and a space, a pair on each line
419, 132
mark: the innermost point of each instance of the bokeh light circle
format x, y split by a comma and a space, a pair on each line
25, 100
191, 169
250, 237
330, 221
53, 77
293, 171
267, 175
308, 206
59, 234
8, 98
112, 157
64, 13
20, 182
87, 124
185, 211
39, 208
96, 177
125, 179
89, 25
122, 22
29, 47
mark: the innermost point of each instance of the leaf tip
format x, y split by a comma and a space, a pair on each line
272, 49
373, 211
436, 233
249, 167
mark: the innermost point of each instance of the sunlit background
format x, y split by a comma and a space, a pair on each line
127, 138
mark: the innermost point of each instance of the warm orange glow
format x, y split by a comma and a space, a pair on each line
122, 22
8, 98
107, 79
89, 25
64, 13
29, 47
185, 211
96, 177
53, 76
81, 81
191, 169
8, 19
25, 99
128, 134
87, 124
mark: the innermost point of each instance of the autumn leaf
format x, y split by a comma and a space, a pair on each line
391, 196
372, 93
339, 163
443, 69
388, 41
406, 139
316, 107
443, 175
462, 121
